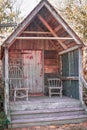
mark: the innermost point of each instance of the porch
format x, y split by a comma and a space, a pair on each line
46, 111
42, 102
31, 70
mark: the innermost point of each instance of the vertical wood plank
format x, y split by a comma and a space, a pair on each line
43, 71
80, 75
7, 110
60, 66
33, 71
3, 67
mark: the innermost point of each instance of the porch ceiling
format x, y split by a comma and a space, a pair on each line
45, 27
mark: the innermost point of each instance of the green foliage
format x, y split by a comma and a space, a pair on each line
9, 13
3, 121
2, 116
77, 16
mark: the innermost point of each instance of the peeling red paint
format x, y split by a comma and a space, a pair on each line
31, 57
33, 70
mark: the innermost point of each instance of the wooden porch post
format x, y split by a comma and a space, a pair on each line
6, 85
80, 75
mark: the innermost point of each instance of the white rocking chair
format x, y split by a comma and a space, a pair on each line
16, 82
55, 87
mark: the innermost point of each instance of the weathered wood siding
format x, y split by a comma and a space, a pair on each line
50, 62
31, 62
70, 64
21, 45
70, 73
51, 65
71, 88
33, 71
50, 54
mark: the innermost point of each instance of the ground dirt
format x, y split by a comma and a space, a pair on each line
80, 126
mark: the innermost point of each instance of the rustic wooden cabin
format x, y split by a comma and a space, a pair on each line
42, 48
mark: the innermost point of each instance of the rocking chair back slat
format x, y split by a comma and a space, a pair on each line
55, 86
16, 82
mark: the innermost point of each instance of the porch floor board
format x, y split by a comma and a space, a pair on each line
44, 102
45, 99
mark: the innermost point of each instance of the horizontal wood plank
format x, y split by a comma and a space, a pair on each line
70, 78
36, 32
45, 38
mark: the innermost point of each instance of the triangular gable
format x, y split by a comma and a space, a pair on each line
29, 18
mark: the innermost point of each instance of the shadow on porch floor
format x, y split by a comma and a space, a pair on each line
44, 99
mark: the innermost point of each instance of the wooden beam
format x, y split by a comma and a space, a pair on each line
68, 50
6, 84
45, 38
57, 28
51, 30
80, 76
49, 40
70, 78
53, 44
64, 25
36, 32
6, 79
22, 26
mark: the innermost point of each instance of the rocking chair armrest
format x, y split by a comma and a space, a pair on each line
21, 88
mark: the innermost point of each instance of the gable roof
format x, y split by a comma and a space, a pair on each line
29, 18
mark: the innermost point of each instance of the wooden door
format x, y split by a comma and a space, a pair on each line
33, 71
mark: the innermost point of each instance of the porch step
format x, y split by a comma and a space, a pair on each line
47, 117
16, 113
48, 121
46, 111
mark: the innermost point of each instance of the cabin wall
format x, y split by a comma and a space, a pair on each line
70, 74
50, 61
51, 64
